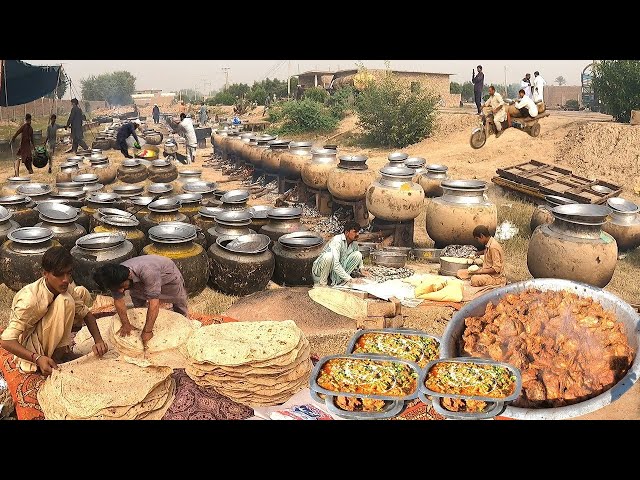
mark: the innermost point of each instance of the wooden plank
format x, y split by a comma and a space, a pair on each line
517, 187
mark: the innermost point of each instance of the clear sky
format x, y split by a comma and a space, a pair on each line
207, 75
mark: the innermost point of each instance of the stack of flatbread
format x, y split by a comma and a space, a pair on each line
170, 331
108, 388
252, 363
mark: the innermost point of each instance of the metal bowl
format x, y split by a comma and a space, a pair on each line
431, 255
624, 313
5, 214
92, 187
388, 259
103, 197
210, 212
285, 212
555, 200
174, 232
69, 187
69, 165
121, 220
187, 198
434, 167
415, 162
98, 158
30, 235
86, 178
372, 245
601, 189
142, 200
57, 211
32, 189
131, 162
234, 217
397, 157
98, 241
301, 240
160, 188
404, 250
161, 162
235, 196
621, 205
192, 172
260, 211
20, 180
164, 205
200, 187
75, 159
251, 243
582, 214
14, 199
105, 212
128, 190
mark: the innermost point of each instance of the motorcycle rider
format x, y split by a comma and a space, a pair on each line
524, 108
498, 109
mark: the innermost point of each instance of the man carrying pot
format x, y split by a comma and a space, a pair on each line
340, 259
492, 271
149, 279
43, 314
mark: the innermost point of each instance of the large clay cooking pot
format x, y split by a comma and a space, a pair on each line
394, 196
351, 178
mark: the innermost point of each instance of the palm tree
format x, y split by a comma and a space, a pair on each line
560, 80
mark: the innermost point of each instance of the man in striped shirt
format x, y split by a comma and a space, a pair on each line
339, 258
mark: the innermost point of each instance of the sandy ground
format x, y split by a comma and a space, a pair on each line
587, 143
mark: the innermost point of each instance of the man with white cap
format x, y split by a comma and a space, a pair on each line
189, 133
155, 113
125, 132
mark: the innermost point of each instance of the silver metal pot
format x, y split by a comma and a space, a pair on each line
431, 178
623, 312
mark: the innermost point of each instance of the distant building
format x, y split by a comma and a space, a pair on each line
555, 96
315, 78
144, 98
439, 83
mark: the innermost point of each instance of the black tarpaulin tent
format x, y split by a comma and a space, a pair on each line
22, 83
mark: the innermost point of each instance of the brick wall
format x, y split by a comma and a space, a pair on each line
438, 83
556, 96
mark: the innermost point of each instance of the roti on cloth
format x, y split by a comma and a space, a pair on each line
104, 387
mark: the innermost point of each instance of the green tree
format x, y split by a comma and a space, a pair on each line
305, 116
257, 94
391, 115
342, 100
466, 91
317, 94
617, 84
512, 90
115, 88
560, 80
455, 87
222, 98
238, 89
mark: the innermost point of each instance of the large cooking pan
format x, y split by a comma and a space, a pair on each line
623, 312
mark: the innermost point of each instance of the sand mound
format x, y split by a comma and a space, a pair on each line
602, 150
448, 123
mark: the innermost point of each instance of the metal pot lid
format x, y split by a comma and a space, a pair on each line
120, 220
71, 165
57, 211
250, 243
294, 145
246, 135
330, 146
86, 178
146, 163
142, 200
231, 217
105, 212
173, 231
48, 201
161, 162
260, 211
75, 159
285, 212
160, 188
164, 205
464, 184
14, 200
128, 189
556, 200
19, 179
30, 235
415, 162
5, 214
434, 167
301, 239
353, 162
186, 198
277, 144
397, 171
31, 189
69, 186
131, 162
235, 196
98, 158
103, 197
622, 205
96, 151
65, 196
324, 151
210, 212
583, 214
98, 241
200, 187
397, 157
601, 189
190, 173
266, 138
92, 187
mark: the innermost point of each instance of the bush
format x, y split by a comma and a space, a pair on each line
342, 100
617, 85
391, 115
222, 98
316, 94
306, 116
275, 113
572, 104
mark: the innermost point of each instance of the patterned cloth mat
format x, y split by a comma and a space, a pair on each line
24, 386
